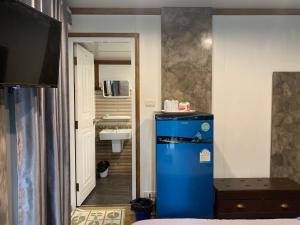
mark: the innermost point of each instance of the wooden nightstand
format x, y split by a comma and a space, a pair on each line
256, 198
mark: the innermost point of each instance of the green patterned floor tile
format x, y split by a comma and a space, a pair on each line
98, 216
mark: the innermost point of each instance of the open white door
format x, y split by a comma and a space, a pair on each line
84, 124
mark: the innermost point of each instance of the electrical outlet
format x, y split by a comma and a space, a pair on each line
150, 103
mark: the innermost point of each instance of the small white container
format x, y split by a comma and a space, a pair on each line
166, 104
104, 174
171, 105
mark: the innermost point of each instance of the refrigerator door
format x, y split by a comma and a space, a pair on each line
184, 180
184, 168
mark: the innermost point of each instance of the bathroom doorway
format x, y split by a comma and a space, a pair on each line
113, 178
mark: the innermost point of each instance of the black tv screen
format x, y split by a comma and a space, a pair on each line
29, 46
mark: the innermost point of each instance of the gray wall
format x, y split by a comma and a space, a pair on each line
187, 56
285, 153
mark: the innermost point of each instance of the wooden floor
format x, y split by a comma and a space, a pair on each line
129, 216
114, 189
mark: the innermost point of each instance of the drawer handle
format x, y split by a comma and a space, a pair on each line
240, 206
284, 206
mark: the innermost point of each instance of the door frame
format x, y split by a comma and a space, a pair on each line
75, 38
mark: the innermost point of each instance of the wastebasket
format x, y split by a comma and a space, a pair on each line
142, 208
102, 168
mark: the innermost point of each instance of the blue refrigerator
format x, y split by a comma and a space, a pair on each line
184, 165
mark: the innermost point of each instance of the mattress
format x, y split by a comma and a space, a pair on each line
218, 222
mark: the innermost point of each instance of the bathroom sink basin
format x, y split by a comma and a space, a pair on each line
115, 134
117, 137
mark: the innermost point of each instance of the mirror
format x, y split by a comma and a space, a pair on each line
116, 88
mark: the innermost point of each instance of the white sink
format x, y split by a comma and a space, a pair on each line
115, 134
117, 137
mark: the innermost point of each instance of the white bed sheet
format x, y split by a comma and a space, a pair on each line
217, 222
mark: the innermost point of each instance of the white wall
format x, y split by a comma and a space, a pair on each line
150, 74
247, 50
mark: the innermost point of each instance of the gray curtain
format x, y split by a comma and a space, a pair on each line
4, 206
41, 126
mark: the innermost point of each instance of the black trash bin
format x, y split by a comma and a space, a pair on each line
102, 168
142, 208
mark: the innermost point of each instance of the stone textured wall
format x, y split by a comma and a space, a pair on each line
187, 56
285, 153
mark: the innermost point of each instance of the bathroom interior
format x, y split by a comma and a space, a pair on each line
114, 120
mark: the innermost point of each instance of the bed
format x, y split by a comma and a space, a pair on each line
218, 222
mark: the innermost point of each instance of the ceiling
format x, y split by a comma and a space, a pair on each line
109, 51
185, 3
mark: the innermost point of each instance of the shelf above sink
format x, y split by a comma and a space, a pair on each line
108, 117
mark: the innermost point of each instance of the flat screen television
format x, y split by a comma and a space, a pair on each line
29, 46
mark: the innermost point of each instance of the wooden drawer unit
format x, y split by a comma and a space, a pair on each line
256, 198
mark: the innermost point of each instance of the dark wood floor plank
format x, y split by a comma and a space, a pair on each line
114, 189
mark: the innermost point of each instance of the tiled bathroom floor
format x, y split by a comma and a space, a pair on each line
114, 189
